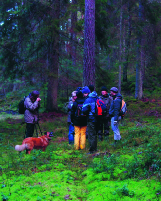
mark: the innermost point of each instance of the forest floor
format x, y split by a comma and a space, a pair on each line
129, 171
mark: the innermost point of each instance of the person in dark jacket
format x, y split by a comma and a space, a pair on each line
70, 125
32, 104
80, 122
104, 121
86, 91
89, 109
114, 112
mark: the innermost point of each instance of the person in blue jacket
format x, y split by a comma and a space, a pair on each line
114, 112
70, 125
89, 109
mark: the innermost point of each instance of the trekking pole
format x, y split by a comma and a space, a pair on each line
25, 133
38, 123
36, 130
39, 127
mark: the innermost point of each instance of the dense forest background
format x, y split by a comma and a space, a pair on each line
56, 45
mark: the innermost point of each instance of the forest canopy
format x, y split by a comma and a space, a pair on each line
44, 43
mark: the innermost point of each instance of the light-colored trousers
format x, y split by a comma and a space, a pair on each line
115, 129
80, 137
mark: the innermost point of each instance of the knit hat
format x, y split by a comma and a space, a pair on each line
104, 88
79, 88
35, 94
85, 90
91, 88
74, 93
79, 94
114, 89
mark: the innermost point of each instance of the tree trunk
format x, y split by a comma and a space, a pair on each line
127, 45
139, 83
73, 32
53, 61
89, 44
120, 59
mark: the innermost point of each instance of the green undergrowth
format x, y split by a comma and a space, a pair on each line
129, 171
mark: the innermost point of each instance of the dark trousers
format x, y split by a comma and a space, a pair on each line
92, 136
29, 130
103, 125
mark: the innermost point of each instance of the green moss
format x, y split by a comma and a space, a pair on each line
130, 171
123, 190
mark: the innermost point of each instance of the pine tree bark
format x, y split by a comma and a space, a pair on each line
127, 45
73, 32
89, 44
139, 82
53, 60
120, 59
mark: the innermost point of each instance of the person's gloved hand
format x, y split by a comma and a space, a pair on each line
114, 123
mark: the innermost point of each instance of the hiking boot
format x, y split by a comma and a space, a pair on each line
92, 152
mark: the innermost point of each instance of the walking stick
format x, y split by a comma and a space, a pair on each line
37, 129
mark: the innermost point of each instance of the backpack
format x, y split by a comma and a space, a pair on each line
21, 106
123, 108
79, 112
101, 108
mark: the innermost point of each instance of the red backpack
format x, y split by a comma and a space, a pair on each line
101, 108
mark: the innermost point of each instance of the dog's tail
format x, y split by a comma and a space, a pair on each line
20, 147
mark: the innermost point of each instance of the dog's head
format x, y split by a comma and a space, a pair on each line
49, 135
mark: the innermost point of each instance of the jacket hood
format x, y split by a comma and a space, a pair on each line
118, 95
93, 94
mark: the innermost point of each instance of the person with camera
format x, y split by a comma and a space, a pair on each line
31, 115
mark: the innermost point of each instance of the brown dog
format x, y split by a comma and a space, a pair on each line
35, 143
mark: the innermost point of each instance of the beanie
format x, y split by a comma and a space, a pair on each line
91, 88
79, 94
74, 93
85, 90
114, 89
35, 94
104, 88
79, 88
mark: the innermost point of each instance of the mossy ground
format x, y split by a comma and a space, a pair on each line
129, 171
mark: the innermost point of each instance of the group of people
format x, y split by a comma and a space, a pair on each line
88, 124
82, 119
